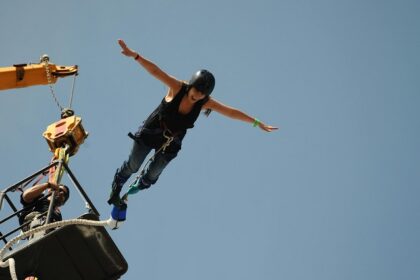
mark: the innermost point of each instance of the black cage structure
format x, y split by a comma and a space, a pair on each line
69, 252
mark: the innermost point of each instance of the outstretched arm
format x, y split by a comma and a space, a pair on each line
30, 194
173, 83
236, 114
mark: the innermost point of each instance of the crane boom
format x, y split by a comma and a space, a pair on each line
25, 75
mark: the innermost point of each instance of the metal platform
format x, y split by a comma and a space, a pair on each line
73, 252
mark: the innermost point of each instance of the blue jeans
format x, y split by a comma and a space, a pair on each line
137, 156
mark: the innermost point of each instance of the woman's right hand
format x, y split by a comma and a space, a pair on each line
125, 50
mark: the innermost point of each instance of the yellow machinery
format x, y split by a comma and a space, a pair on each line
72, 251
67, 131
24, 75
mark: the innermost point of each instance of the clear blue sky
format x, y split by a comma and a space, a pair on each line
332, 195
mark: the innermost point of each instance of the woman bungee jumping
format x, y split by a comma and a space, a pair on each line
165, 128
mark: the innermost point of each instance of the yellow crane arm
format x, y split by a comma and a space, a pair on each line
25, 75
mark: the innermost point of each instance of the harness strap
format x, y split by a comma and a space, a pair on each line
169, 138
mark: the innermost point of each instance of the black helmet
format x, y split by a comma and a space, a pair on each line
203, 81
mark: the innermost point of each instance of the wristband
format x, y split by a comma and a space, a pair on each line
136, 57
256, 122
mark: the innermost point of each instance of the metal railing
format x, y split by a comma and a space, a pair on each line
4, 197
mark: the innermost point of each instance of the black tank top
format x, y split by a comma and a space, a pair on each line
167, 115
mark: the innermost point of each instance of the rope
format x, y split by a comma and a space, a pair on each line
11, 262
72, 91
12, 267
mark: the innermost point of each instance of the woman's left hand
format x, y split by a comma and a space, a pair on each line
267, 128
